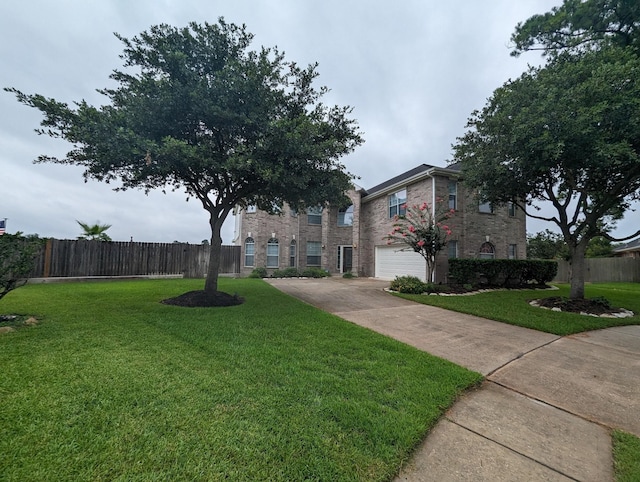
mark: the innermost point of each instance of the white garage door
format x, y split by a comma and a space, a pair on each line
391, 262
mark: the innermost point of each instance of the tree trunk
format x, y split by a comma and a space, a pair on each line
211, 283
577, 265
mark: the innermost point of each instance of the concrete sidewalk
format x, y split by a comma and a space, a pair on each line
548, 403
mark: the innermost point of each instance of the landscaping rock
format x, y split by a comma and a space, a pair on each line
6, 329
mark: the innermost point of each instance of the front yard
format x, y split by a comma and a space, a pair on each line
113, 385
511, 306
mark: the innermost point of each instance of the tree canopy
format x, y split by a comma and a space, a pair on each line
581, 25
196, 109
567, 133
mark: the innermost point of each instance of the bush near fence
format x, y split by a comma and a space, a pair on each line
81, 258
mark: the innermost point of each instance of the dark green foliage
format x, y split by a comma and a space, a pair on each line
568, 134
17, 254
285, 273
94, 231
348, 275
546, 245
195, 109
579, 25
501, 272
314, 273
290, 272
409, 284
259, 272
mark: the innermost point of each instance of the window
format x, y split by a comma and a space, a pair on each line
513, 251
487, 251
251, 208
398, 203
485, 207
314, 215
512, 209
453, 249
292, 253
272, 253
249, 252
275, 208
345, 216
453, 195
314, 253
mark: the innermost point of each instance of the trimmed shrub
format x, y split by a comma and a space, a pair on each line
501, 272
348, 275
260, 272
314, 273
290, 273
409, 284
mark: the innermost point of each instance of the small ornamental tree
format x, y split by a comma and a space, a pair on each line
424, 230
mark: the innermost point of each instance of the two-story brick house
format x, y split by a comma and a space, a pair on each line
353, 238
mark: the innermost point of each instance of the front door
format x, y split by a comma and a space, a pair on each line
345, 258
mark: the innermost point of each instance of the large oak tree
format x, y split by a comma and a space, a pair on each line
196, 109
567, 133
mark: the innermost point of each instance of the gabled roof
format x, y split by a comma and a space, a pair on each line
399, 179
419, 172
630, 246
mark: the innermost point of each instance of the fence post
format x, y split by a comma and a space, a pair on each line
47, 258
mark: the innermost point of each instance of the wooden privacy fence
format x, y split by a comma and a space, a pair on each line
603, 270
72, 258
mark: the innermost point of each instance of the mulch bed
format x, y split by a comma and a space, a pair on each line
202, 299
577, 306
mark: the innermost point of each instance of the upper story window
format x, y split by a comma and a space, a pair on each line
512, 209
485, 207
398, 203
314, 215
345, 216
513, 251
251, 208
453, 195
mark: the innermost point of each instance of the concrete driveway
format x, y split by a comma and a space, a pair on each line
548, 403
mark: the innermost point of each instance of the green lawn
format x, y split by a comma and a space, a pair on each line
511, 306
626, 454
113, 385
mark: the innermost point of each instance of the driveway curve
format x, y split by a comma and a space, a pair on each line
548, 403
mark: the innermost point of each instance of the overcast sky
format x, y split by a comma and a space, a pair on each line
413, 71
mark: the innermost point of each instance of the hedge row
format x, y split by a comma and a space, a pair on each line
501, 272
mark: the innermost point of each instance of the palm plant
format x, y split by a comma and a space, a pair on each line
94, 232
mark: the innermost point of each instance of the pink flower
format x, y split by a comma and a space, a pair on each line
449, 232
446, 228
412, 229
424, 206
420, 243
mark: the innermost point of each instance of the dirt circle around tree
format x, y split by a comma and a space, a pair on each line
202, 299
584, 306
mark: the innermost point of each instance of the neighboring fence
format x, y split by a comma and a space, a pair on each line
71, 258
602, 270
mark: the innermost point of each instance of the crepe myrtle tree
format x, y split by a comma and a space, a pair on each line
196, 110
423, 229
